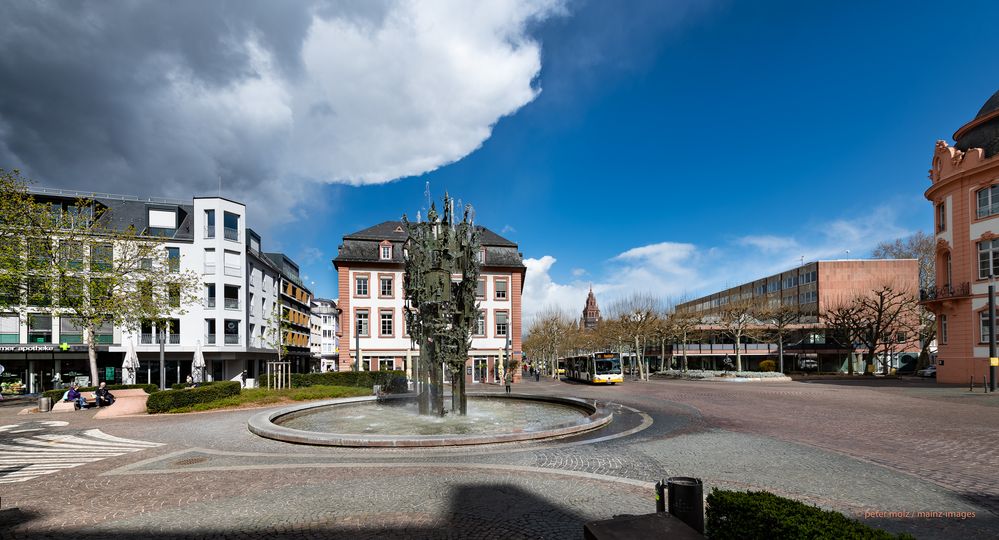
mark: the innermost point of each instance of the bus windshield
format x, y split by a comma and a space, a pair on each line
608, 367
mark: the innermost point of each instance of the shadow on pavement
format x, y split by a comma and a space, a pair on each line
476, 511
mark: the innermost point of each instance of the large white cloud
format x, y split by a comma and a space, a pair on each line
158, 98
680, 270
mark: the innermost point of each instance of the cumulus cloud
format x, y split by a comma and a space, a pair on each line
680, 270
163, 98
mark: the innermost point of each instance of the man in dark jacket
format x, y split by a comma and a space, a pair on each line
104, 396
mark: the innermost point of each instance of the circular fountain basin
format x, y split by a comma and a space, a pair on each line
395, 422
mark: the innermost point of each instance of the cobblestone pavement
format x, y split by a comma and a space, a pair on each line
849, 447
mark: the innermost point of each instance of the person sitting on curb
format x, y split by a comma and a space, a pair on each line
75, 396
104, 396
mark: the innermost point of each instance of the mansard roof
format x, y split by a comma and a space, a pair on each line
362, 246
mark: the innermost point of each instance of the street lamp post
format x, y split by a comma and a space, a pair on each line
506, 356
162, 337
992, 333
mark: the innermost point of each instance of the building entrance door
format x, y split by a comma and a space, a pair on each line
480, 371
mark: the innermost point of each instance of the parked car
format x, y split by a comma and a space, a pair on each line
930, 371
808, 364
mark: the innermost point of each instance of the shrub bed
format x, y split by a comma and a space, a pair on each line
182, 385
263, 396
768, 365
393, 381
57, 394
174, 399
763, 515
707, 374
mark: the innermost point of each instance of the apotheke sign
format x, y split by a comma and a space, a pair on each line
42, 348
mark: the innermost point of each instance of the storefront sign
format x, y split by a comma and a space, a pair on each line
63, 347
27, 348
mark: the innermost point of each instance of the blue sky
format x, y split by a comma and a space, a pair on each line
679, 148
672, 147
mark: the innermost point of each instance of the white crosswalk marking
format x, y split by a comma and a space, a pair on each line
33, 453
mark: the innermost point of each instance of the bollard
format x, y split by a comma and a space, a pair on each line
661, 497
686, 501
985, 384
971, 383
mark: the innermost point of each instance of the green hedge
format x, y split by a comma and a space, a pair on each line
171, 399
182, 385
393, 381
57, 394
762, 515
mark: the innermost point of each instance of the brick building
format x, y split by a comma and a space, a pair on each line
370, 268
591, 312
964, 191
812, 288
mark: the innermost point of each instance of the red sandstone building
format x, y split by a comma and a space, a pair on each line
591, 312
813, 289
370, 272
965, 197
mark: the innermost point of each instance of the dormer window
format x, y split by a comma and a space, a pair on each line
162, 222
385, 251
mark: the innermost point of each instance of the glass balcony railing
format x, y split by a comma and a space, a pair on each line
210, 339
232, 339
210, 302
232, 303
231, 233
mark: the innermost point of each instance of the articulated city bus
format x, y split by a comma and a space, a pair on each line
599, 368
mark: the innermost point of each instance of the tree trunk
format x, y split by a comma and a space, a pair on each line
685, 352
780, 351
91, 336
738, 353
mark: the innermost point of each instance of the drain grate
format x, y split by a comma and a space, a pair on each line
191, 461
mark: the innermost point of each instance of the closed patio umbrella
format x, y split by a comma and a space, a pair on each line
130, 366
198, 365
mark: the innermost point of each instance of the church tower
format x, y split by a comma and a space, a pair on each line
591, 313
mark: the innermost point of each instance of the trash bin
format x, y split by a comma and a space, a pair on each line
686, 500
44, 404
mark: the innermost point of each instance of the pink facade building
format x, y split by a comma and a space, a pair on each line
370, 275
965, 197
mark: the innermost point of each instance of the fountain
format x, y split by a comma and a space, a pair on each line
440, 315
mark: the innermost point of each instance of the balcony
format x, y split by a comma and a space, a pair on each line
153, 339
231, 233
210, 339
232, 339
945, 292
210, 231
210, 302
209, 268
232, 303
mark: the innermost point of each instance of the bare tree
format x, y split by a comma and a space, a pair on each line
549, 337
636, 317
877, 321
737, 320
685, 327
922, 247
779, 321
842, 320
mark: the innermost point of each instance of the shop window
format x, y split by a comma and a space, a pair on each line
39, 328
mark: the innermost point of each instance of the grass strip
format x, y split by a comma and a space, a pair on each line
262, 396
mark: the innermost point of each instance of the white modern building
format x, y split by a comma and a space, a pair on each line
233, 322
325, 341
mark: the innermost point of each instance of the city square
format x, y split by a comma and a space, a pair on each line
500, 269
203, 475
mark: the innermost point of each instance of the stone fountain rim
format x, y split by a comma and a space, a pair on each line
262, 424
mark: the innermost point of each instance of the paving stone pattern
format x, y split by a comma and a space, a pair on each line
851, 448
